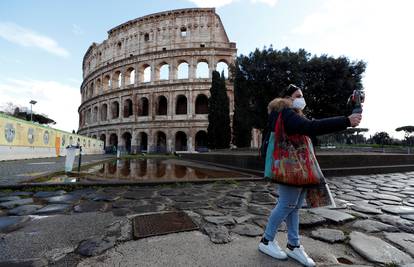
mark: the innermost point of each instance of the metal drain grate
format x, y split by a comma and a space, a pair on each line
162, 223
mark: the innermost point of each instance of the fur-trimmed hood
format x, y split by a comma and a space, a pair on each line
278, 104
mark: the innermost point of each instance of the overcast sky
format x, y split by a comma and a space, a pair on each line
42, 44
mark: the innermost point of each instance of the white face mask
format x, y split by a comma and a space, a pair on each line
299, 103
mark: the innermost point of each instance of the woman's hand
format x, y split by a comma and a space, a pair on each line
355, 119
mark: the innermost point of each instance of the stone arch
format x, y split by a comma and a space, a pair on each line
90, 90
130, 76
201, 104
162, 105
113, 142
128, 108
126, 138
183, 70
143, 142
89, 116
201, 141
103, 138
117, 79
95, 114
202, 71
104, 112
164, 71
107, 83
181, 105
180, 141
143, 106
161, 142
115, 110
223, 67
145, 74
98, 86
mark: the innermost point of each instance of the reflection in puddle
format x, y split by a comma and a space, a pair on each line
148, 170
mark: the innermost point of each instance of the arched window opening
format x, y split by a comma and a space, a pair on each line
130, 76
161, 142
92, 89
128, 108
107, 83
103, 139
202, 70
181, 105
180, 141
127, 137
143, 145
89, 116
183, 70
201, 105
147, 74
201, 141
113, 143
222, 67
164, 72
116, 80
98, 86
104, 112
115, 110
95, 114
162, 105
143, 107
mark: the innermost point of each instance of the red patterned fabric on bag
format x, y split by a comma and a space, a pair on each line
294, 159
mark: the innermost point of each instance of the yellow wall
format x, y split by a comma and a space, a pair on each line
15, 132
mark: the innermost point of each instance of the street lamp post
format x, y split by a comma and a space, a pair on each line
32, 102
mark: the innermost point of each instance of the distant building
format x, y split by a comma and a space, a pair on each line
146, 87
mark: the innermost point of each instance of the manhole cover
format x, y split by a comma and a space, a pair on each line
162, 223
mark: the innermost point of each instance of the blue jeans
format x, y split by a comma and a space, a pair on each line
287, 208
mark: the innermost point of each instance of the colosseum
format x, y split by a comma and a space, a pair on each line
146, 87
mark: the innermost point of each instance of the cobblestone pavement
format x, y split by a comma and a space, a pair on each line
16, 171
374, 219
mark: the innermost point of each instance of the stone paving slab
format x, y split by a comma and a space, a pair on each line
58, 234
195, 249
377, 250
223, 211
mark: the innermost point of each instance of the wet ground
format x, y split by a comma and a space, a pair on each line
147, 170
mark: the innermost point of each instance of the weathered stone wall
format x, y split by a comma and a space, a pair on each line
145, 84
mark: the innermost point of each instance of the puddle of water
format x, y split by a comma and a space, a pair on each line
148, 170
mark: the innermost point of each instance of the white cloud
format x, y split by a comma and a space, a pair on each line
58, 101
28, 38
377, 32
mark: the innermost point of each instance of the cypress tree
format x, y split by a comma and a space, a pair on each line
242, 134
218, 131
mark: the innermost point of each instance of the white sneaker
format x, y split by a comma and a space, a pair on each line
272, 249
300, 255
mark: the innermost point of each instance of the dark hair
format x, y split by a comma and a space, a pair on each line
289, 90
